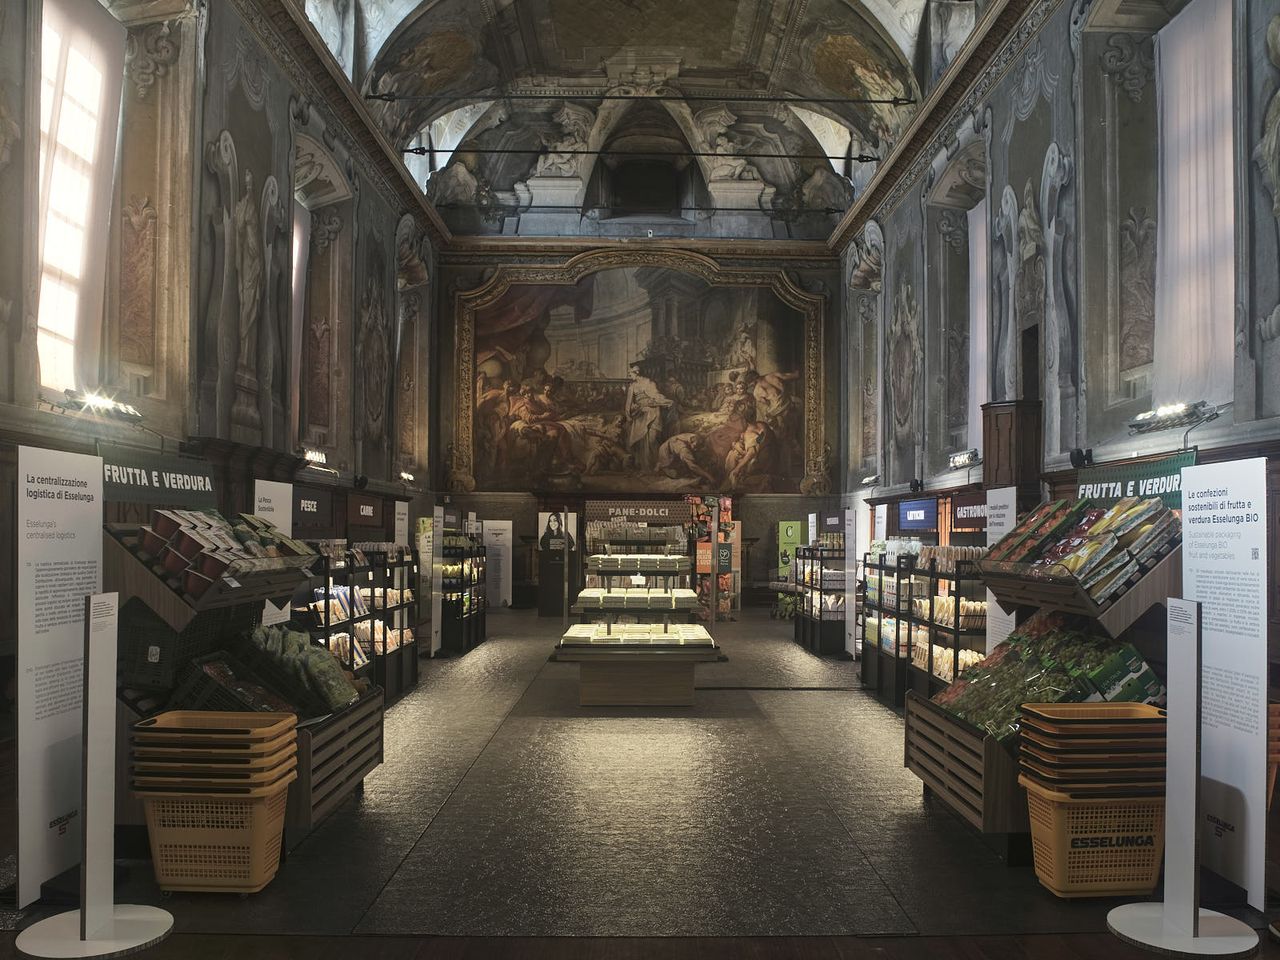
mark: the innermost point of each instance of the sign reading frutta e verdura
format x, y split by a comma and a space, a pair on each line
130, 476
1147, 478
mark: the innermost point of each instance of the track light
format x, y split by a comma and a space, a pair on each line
406, 476
871, 481
102, 406
965, 458
917, 485
1082, 458
1173, 415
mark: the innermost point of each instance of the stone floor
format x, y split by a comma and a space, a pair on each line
777, 806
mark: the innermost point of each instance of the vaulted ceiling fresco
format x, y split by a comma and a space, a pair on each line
722, 68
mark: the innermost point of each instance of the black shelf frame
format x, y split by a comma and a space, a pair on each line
464, 623
820, 635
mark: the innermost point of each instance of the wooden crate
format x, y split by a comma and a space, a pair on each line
334, 757
968, 770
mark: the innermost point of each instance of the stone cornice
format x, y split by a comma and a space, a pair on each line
1005, 29
287, 35
466, 250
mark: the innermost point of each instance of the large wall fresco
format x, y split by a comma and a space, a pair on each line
639, 379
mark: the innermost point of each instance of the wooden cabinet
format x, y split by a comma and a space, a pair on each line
1012, 445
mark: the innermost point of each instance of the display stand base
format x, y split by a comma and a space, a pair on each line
134, 929
1142, 924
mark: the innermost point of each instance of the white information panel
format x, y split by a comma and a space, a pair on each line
59, 564
402, 523
437, 576
882, 521
273, 501
813, 528
1002, 516
1224, 568
97, 875
497, 552
852, 556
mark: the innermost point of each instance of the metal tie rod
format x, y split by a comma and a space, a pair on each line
516, 208
713, 98
662, 154
504, 151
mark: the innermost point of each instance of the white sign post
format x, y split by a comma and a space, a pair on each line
1224, 567
437, 577
99, 928
497, 552
1180, 926
1002, 516
273, 501
59, 558
402, 523
852, 646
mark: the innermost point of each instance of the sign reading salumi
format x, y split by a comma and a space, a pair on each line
658, 512
1147, 478
130, 476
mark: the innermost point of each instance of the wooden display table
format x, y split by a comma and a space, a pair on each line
639, 675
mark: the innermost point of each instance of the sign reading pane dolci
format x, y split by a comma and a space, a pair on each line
658, 512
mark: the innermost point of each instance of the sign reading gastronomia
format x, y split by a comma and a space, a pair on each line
132, 476
1145, 478
59, 555
1224, 568
969, 511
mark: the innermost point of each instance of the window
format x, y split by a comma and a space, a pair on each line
1195, 246
82, 69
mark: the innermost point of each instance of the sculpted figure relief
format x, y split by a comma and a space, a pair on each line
248, 266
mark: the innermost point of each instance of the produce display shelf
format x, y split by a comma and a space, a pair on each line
125, 573
1013, 587
967, 769
682, 566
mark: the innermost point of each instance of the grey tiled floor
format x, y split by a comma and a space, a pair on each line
777, 805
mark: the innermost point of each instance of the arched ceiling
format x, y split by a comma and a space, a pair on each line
446, 53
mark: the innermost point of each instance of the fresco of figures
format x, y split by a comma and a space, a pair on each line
639, 379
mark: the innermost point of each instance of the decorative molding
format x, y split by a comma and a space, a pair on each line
326, 224
1010, 27
953, 227
285, 33
138, 282
1130, 62
148, 54
461, 466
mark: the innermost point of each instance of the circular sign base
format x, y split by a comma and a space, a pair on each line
134, 928
1142, 924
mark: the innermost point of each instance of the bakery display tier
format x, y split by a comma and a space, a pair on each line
631, 564
648, 636
601, 600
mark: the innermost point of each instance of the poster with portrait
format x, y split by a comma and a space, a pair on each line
552, 528
639, 379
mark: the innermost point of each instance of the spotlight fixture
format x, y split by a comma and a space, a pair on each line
361, 481
1173, 415
917, 485
871, 481
406, 476
1082, 458
86, 400
314, 456
965, 458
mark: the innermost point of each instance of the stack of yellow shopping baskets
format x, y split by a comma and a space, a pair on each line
1095, 779
215, 787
